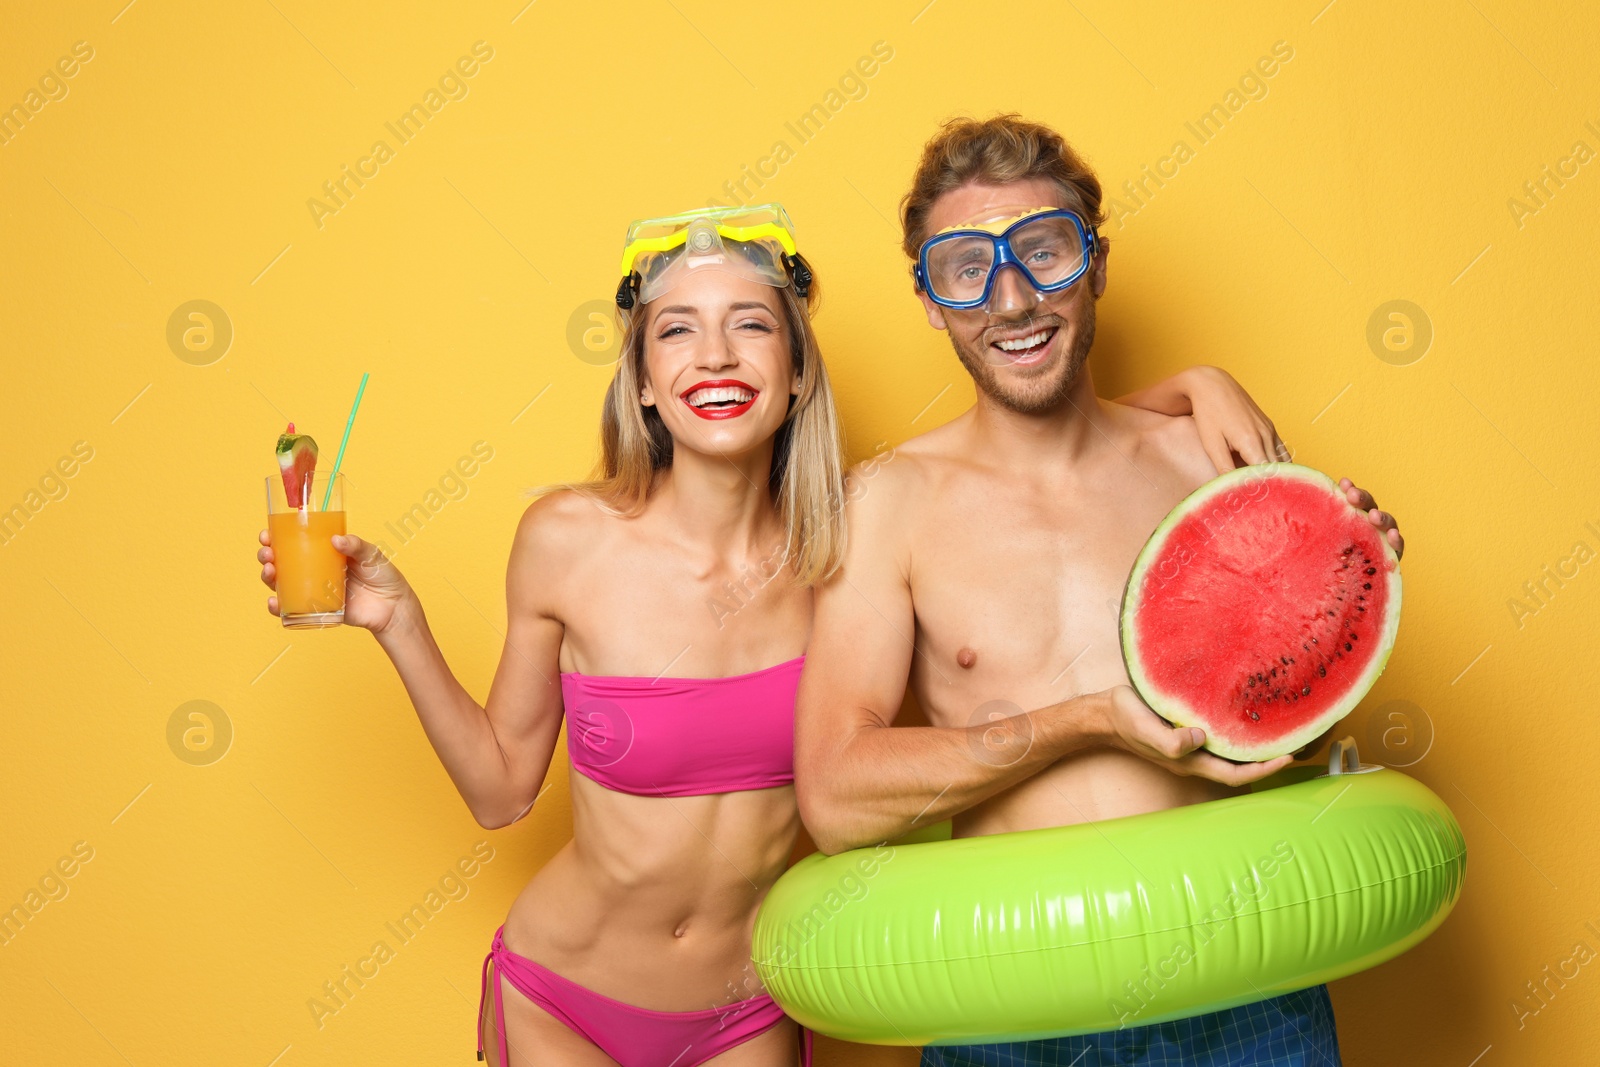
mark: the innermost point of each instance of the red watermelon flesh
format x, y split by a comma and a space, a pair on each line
297, 460
1261, 610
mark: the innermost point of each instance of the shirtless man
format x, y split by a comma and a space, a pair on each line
985, 561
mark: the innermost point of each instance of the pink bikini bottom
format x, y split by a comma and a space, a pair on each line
634, 1037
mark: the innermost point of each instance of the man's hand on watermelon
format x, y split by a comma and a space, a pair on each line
1232, 428
1381, 519
374, 588
1131, 726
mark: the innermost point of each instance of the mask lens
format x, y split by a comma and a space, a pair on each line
959, 268
704, 248
1051, 249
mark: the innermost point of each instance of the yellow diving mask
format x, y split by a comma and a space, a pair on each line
752, 242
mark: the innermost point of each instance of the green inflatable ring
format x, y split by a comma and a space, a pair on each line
1079, 929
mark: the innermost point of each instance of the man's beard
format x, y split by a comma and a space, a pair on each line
1035, 396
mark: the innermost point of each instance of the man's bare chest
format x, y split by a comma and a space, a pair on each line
1019, 551
1027, 589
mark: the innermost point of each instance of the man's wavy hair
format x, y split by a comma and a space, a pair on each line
995, 151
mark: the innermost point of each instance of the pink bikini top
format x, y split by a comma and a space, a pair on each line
679, 737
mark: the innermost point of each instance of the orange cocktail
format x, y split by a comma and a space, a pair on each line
310, 571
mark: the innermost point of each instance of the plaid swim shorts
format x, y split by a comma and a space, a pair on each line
1293, 1030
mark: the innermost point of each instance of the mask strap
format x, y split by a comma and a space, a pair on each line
801, 276
626, 290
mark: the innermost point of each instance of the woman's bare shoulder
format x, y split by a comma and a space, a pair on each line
560, 528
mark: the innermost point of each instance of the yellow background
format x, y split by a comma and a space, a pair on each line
179, 164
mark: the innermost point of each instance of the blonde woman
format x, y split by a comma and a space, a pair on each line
662, 611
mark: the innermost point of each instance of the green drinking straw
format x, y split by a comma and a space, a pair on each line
328, 491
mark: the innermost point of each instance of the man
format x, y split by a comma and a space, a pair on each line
984, 564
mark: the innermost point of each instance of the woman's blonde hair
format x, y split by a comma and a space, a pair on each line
807, 476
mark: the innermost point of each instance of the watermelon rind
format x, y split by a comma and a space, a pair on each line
1176, 710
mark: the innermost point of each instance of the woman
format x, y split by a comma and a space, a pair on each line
664, 609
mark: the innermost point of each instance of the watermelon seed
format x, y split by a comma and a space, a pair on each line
1313, 640
1306, 691
1372, 570
1256, 717
1347, 646
1352, 637
1361, 609
1322, 672
1366, 585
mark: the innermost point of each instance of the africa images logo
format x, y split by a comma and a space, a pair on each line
452, 85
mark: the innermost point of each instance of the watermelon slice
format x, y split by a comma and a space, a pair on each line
297, 459
1261, 610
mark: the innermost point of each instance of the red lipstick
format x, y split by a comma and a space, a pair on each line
728, 410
